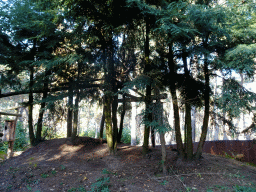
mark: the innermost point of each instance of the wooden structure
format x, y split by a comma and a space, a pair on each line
156, 99
232, 148
9, 132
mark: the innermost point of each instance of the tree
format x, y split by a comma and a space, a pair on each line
34, 36
65, 47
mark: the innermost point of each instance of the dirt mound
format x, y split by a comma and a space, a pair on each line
58, 165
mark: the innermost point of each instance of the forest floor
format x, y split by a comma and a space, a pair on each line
57, 165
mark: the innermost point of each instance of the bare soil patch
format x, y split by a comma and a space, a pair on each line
57, 165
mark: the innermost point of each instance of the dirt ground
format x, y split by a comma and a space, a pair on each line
57, 165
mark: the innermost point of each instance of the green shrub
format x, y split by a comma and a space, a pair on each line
126, 136
2, 155
4, 147
238, 188
89, 133
49, 133
101, 185
21, 139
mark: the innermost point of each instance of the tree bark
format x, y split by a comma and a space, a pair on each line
163, 149
175, 103
42, 110
40, 119
188, 126
76, 109
206, 112
70, 109
148, 117
121, 121
153, 138
111, 101
159, 118
114, 121
30, 108
102, 122
108, 121
133, 126
76, 113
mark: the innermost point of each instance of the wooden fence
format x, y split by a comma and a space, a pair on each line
231, 148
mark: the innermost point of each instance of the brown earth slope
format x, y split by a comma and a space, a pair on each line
57, 165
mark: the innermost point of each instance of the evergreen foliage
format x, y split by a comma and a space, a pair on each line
53, 50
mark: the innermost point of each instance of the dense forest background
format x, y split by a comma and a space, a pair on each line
134, 71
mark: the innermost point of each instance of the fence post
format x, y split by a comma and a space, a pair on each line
9, 135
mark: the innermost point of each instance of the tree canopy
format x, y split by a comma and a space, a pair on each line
52, 50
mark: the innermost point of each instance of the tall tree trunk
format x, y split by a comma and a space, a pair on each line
105, 97
175, 103
206, 112
159, 119
111, 101
108, 121
189, 132
163, 149
153, 138
133, 126
76, 113
108, 97
70, 109
0, 115
102, 122
40, 119
76, 109
148, 117
42, 109
114, 120
188, 126
121, 121
30, 108
193, 124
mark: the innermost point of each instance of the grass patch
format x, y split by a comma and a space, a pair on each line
44, 175
100, 185
105, 171
238, 188
79, 189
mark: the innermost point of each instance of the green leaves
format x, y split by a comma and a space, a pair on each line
235, 99
140, 83
242, 59
2, 155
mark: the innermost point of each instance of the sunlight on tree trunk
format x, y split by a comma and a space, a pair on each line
133, 126
102, 122
121, 121
108, 121
30, 108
